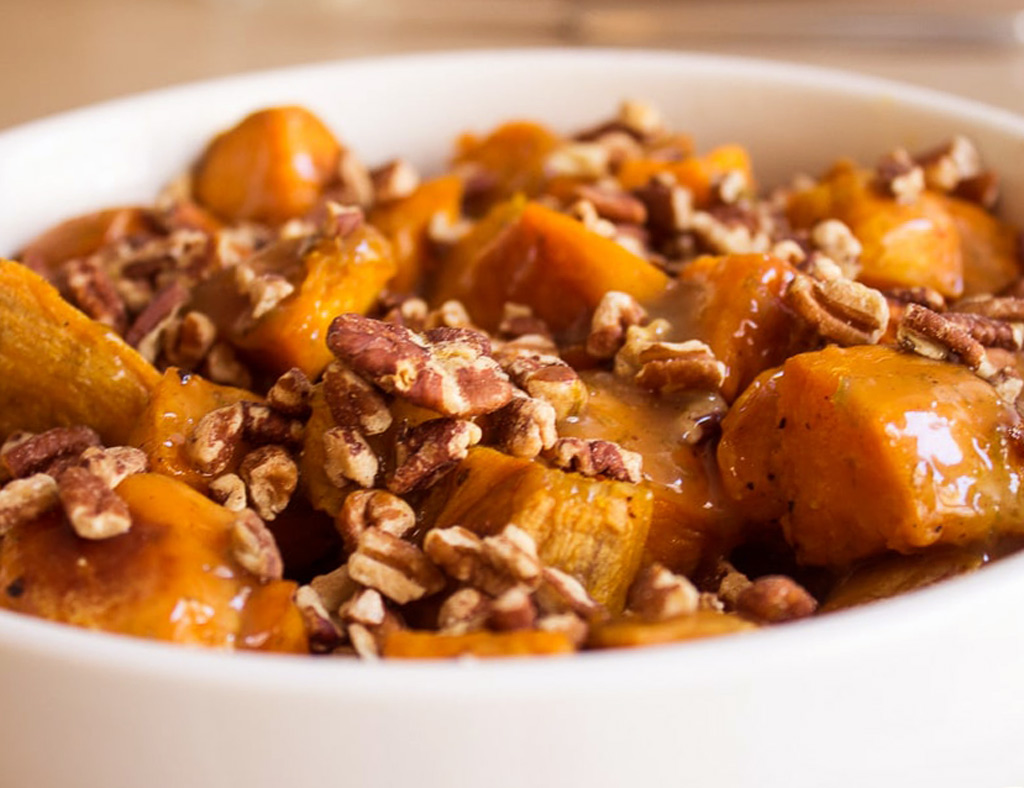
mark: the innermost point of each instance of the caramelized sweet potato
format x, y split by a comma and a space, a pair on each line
990, 247
60, 368
171, 577
271, 167
697, 173
83, 235
590, 528
872, 449
533, 255
634, 632
410, 644
509, 160
321, 494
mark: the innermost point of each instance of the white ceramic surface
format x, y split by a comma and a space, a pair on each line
927, 689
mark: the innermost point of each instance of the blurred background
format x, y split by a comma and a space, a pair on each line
59, 54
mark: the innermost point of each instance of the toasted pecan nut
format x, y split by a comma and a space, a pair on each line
514, 609
261, 424
348, 457
613, 204
598, 458
290, 393
518, 320
430, 450
953, 162
989, 331
146, 332
229, 491
775, 598
217, 439
671, 367
548, 378
342, 220
93, 509
364, 509
898, 176
23, 500
614, 314
460, 554
113, 465
514, 552
523, 428
998, 308
929, 334
835, 239
841, 310
365, 607
394, 180
353, 402
559, 592
222, 365
92, 290
254, 547
657, 594
188, 341
24, 454
324, 634
466, 610
271, 476
396, 568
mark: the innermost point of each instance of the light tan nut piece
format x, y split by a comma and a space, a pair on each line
411, 313
569, 624
146, 333
253, 546
356, 184
929, 334
24, 454
614, 314
363, 641
23, 500
460, 554
638, 338
518, 320
353, 402
658, 593
948, 165
514, 552
188, 341
732, 584
323, 632
640, 118
364, 607
394, 180
989, 331
899, 177
364, 509
448, 370
598, 458
335, 587
559, 592
775, 598
261, 424
835, 239
92, 290
523, 428
93, 509
290, 393
264, 291
512, 610
842, 311
271, 476
998, 308
925, 296
342, 220
613, 204
349, 458
732, 186
672, 367
578, 160
222, 365
396, 568
585, 212
229, 491
217, 439
451, 314
115, 464
427, 452
465, 610
727, 235
548, 378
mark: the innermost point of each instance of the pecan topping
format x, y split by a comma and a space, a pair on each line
615, 313
518, 320
669, 205
188, 341
449, 370
513, 609
290, 393
491, 565
399, 570
841, 310
670, 367
365, 607
560, 593
221, 365
578, 160
658, 593
989, 331
356, 186
929, 334
640, 118
1008, 309
411, 313
147, 330
353, 402
547, 378
924, 296
342, 220
24, 454
774, 599
569, 624
271, 476
324, 634
729, 231
229, 491
981, 189
394, 180
115, 464
466, 610
253, 546
524, 428
94, 510
731, 187
23, 500
430, 450
898, 176
598, 458
835, 239
373, 509
613, 204
93, 291
262, 424
948, 165
216, 439
348, 457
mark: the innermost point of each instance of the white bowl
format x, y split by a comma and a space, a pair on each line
927, 689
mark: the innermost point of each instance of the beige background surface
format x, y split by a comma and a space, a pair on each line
59, 54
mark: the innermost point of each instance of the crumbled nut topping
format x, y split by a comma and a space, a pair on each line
841, 310
229, 491
930, 334
348, 457
373, 509
394, 180
670, 367
835, 239
253, 546
598, 458
353, 402
614, 314
92, 508
546, 378
658, 593
525, 427
899, 177
428, 451
578, 160
290, 393
465, 610
948, 165
774, 599
399, 570
93, 291
188, 341
113, 465
23, 500
24, 454
271, 476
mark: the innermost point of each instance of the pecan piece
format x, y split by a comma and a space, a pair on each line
835, 239
898, 176
578, 160
23, 500
518, 320
430, 450
188, 341
841, 310
613, 204
998, 308
514, 609
399, 570
559, 593
262, 424
394, 180
93, 291
348, 457
222, 365
264, 291
373, 509
290, 393
598, 458
115, 464
253, 546
353, 402
671, 367
548, 378
324, 634
94, 510
657, 593
775, 598
989, 331
147, 330
229, 491
24, 454
614, 314
669, 205
217, 439
946, 166
929, 334
271, 476
524, 428
466, 610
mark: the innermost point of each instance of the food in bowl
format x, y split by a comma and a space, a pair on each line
575, 392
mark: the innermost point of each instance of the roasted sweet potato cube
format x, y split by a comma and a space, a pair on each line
411, 644
507, 161
634, 632
699, 174
171, 577
591, 528
990, 247
60, 368
876, 450
83, 235
533, 255
271, 167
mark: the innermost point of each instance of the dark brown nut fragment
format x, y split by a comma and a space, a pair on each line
548, 378
373, 509
898, 176
466, 610
271, 476
615, 313
559, 592
946, 166
222, 365
658, 593
672, 367
394, 180
353, 402
774, 599
924, 296
94, 510
253, 546
188, 341
512, 610
262, 424
613, 204
449, 372
669, 205
399, 570
290, 393
842, 311
324, 634
989, 331
518, 320
524, 428
229, 491
835, 239
217, 439
146, 332
998, 308
929, 334
365, 607
428, 451
115, 464
23, 500
93, 291
731, 584
598, 458
349, 458
24, 454
982, 189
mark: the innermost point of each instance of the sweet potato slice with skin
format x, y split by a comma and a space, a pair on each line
634, 632
59, 368
171, 577
591, 528
533, 255
875, 450
411, 644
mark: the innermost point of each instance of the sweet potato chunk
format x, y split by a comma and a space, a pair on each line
634, 632
533, 255
60, 368
271, 167
83, 235
699, 174
872, 450
171, 577
990, 247
410, 644
590, 528
509, 160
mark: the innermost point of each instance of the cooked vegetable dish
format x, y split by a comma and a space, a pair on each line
575, 392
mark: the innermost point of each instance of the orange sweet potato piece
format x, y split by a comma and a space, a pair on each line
876, 450
59, 367
533, 255
590, 528
990, 247
171, 577
271, 167
405, 223
83, 235
321, 494
913, 245
411, 644
634, 632
697, 173
178, 402
331, 277
512, 156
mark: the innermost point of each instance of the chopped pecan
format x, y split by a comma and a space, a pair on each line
93, 509
355, 183
492, 565
728, 233
981, 189
115, 464
290, 393
342, 220
731, 584
335, 587
523, 428
775, 598
24, 454
925, 296
254, 548
186, 342
449, 370
569, 624
671, 367
23, 500
789, 250
217, 439
642, 119
930, 334
658, 593
264, 291
613, 204
513, 609
324, 634
443, 232
271, 476
614, 314
835, 239
989, 331
514, 552
451, 314
898, 176
262, 424
559, 592
669, 205
399, 570
222, 365
946, 166
598, 458
578, 160
518, 320
410, 313
348, 457
841, 310
638, 338
394, 180
731, 187
547, 378
998, 308
585, 212
364, 509
93, 291
229, 491
365, 607
146, 332
430, 450
353, 402
466, 610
